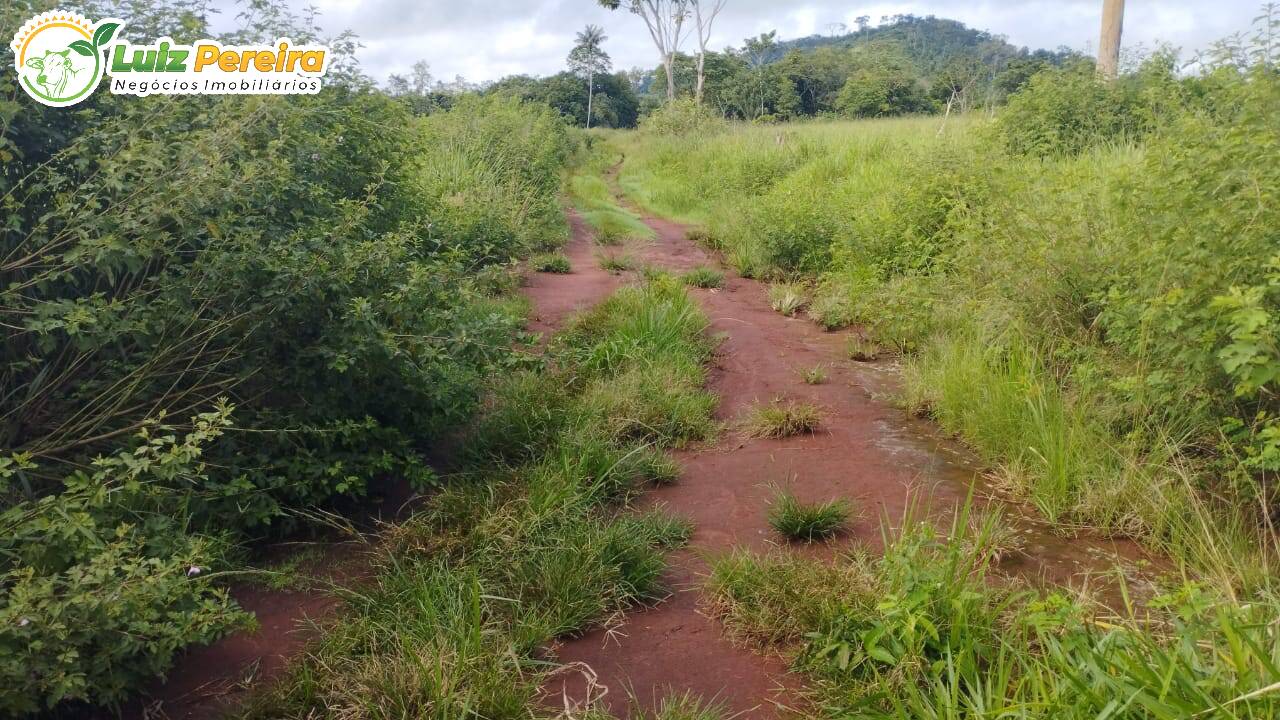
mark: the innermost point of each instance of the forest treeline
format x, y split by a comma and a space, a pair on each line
908, 64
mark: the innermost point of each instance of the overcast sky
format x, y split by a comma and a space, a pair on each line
487, 40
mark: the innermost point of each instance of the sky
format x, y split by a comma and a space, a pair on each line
484, 41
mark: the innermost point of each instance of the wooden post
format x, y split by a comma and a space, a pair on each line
1109, 44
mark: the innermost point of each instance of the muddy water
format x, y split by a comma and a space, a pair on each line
867, 451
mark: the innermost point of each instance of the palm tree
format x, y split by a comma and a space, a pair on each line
587, 56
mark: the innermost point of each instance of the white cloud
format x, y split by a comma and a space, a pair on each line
487, 40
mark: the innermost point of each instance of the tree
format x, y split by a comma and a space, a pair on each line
882, 83
665, 20
704, 18
588, 57
416, 89
758, 51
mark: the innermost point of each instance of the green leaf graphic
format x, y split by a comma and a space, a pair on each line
104, 33
82, 47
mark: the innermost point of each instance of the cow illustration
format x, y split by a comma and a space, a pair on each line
56, 71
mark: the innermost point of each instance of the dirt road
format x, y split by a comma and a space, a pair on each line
867, 451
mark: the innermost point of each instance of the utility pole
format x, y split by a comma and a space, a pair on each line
1109, 44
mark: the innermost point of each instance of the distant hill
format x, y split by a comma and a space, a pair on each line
930, 42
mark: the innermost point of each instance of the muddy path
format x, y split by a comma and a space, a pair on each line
867, 451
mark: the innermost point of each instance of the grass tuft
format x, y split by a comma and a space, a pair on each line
860, 349
807, 522
532, 540
700, 237
550, 263
815, 375
616, 264
780, 420
788, 298
704, 277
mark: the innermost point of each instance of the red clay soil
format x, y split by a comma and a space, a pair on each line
555, 297
207, 682
867, 451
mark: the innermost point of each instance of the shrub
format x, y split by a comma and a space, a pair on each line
1067, 110
328, 262
683, 116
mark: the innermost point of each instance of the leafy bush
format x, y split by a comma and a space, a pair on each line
882, 83
682, 116
1070, 109
326, 263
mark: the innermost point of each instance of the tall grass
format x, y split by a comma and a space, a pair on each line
999, 278
534, 539
930, 629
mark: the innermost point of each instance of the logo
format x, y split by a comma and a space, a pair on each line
61, 56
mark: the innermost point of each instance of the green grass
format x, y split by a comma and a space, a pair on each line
611, 223
859, 349
976, 268
533, 539
796, 520
616, 263
704, 277
815, 375
781, 419
788, 298
931, 629
550, 263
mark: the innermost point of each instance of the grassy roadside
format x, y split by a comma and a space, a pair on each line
1002, 282
932, 629
993, 276
534, 540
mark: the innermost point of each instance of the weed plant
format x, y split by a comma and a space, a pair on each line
704, 277
781, 419
807, 522
931, 629
550, 263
